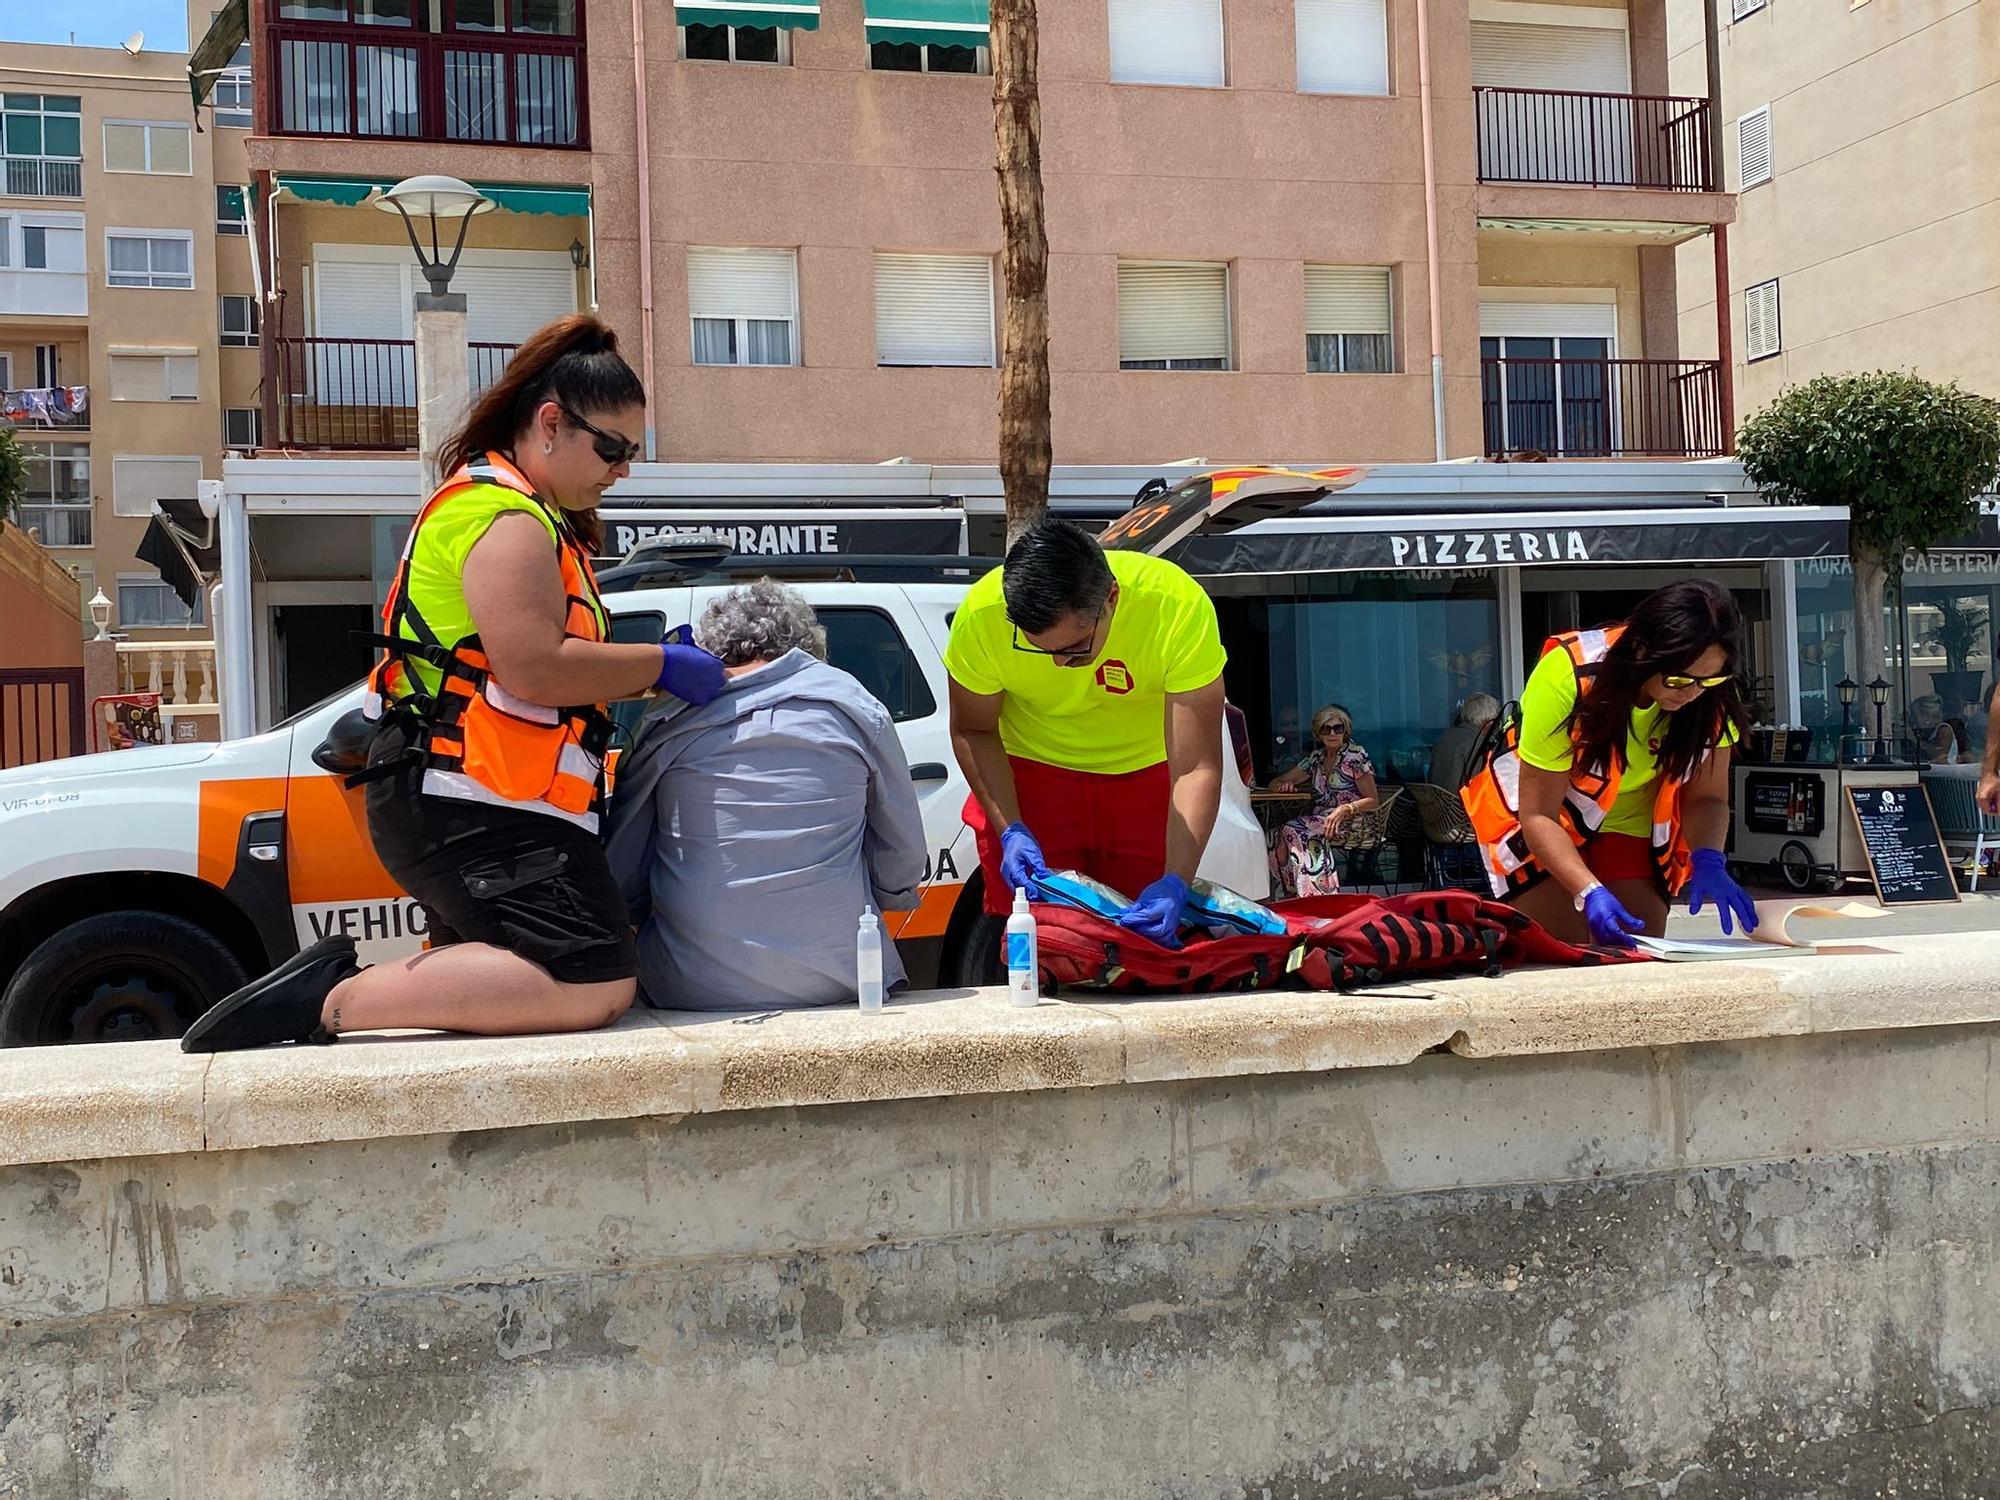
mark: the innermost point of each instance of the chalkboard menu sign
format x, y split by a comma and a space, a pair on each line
1906, 857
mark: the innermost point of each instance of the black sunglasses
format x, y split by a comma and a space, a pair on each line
608, 446
1071, 657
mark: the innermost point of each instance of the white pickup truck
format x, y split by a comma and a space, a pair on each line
138, 887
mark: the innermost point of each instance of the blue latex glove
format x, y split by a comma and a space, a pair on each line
690, 673
1610, 924
1157, 912
1021, 861
1711, 881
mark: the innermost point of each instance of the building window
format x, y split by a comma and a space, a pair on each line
747, 44
1167, 41
232, 209
239, 322
1762, 337
744, 305
45, 246
1347, 320
231, 93
1753, 147
155, 146
1173, 315
1343, 46
242, 427
161, 258
933, 310
928, 57
41, 145
155, 377
149, 603
523, 17
55, 500
1738, 9
136, 482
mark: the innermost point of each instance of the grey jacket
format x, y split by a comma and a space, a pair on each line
748, 834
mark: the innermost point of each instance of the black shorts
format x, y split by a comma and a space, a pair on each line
536, 885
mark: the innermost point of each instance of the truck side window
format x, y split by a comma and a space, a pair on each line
867, 643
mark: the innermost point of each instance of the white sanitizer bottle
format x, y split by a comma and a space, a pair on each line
868, 960
1023, 960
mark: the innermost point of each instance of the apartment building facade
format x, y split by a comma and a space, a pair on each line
1862, 142
128, 319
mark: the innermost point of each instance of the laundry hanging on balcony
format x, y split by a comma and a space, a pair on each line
797, 15
48, 406
933, 23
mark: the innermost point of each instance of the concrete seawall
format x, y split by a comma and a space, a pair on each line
1688, 1231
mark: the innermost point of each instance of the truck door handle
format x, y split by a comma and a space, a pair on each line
929, 770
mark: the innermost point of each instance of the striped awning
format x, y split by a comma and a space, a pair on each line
938, 23
796, 15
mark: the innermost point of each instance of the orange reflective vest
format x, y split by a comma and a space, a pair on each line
1493, 796
476, 740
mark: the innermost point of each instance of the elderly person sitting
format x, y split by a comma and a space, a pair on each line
1451, 756
749, 834
1304, 857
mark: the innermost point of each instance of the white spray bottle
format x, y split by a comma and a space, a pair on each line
1023, 956
868, 960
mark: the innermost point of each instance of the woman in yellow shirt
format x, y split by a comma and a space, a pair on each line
1615, 795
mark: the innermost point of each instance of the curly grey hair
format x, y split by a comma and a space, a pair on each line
759, 621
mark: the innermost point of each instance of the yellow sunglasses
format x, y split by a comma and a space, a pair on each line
1678, 680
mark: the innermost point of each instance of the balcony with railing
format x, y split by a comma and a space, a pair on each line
1602, 408
41, 177
1594, 140
57, 525
361, 394
381, 82
49, 408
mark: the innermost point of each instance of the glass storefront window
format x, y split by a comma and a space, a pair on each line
1398, 651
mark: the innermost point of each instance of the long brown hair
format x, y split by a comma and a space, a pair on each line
574, 361
1670, 629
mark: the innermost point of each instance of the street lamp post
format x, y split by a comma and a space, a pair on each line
1878, 693
1849, 690
444, 388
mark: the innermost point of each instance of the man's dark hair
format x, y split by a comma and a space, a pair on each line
1054, 568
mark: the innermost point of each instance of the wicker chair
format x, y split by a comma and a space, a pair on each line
1361, 841
1450, 846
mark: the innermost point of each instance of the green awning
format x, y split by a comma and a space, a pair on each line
229, 31
937, 23
793, 15
348, 192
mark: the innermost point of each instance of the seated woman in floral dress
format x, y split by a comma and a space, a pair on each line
1304, 855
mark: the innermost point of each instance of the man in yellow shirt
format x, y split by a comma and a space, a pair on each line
1086, 712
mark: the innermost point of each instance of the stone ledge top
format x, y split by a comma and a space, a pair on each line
150, 1099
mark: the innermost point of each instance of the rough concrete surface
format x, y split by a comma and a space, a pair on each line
1741, 1268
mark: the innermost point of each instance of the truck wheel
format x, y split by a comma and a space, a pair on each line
120, 976
980, 959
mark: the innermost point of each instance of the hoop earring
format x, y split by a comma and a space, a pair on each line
548, 447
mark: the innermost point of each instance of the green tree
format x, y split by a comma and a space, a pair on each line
1907, 457
13, 476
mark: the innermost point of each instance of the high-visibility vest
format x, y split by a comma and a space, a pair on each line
476, 740
1493, 795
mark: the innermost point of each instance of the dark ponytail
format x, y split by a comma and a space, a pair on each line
575, 361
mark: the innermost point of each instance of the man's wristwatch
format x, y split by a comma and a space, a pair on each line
1582, 897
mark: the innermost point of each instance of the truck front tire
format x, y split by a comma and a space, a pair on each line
118, 976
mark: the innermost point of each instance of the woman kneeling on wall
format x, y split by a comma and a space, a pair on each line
486, 766
1611, 795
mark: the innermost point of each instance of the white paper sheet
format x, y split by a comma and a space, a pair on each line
1772, 937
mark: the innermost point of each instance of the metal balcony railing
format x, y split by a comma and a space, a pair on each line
1594, 140
378, 83
1603, 408
57, 525
49, 408
361, 393
41, 177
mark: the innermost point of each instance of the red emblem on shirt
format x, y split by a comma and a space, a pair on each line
1115, 677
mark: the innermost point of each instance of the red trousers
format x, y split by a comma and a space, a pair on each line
1112, 828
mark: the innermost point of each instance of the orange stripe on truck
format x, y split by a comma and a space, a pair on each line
223, 807
932, 915
330, 856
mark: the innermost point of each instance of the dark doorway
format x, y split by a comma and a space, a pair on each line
316, 656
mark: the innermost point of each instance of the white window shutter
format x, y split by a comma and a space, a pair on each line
1762, 336
183, 377
505, 304
1587, 59
137, 482
1167, 41
1753, 147
1173, 309
360, 300
1342, 45
742, 283
1548, 320
138, 377
1347, 299
933, 310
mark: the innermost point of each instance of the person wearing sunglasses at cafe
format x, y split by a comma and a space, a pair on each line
1611, 794
485, 771
1086, 712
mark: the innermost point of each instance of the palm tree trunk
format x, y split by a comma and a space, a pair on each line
1024, 265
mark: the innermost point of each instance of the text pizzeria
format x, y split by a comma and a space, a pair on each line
1479, 549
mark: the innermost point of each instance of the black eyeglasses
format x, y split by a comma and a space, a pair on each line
1072, 655
608, 446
